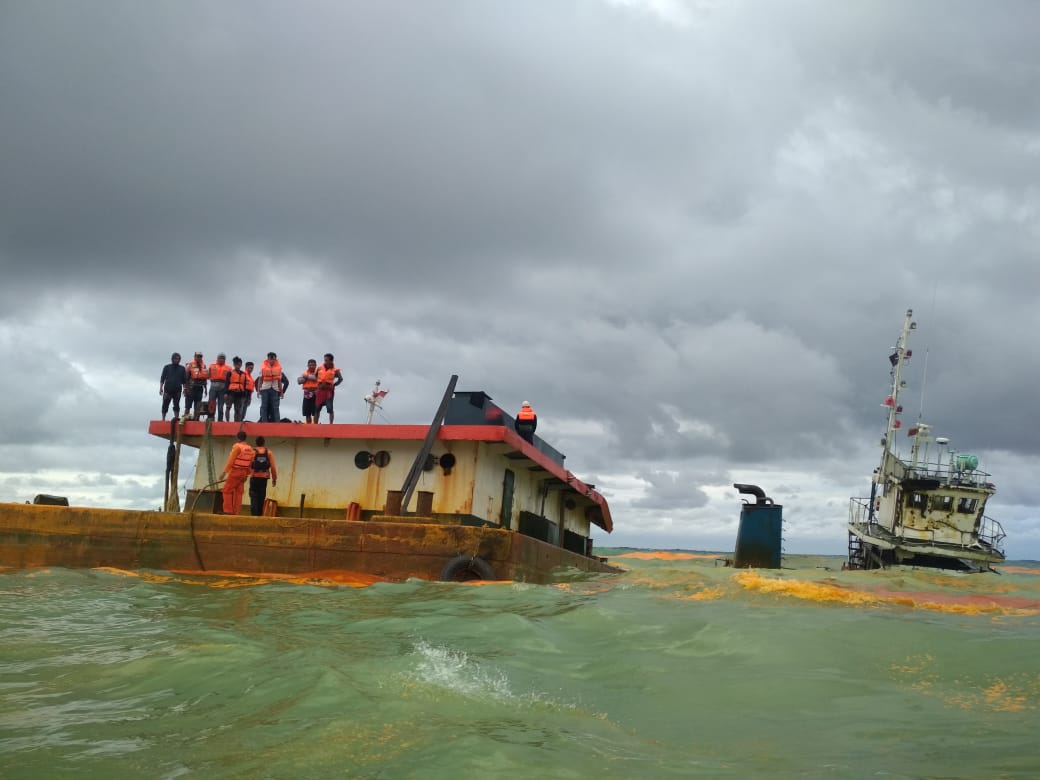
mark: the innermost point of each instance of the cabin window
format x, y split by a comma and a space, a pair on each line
916, 501
967, 505
941, 503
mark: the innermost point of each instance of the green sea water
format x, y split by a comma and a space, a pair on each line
677, 668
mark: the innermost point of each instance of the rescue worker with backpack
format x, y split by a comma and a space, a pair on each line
237, 470
261, 469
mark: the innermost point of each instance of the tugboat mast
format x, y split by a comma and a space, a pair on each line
897, 358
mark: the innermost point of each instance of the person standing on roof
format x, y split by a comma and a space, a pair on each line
262, 469
198, 373
238, 468
308, 380
218, 376
526, 422
329, 378
171, 384
271, 388
250, 387
239, 388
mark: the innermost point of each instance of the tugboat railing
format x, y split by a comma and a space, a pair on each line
991, 533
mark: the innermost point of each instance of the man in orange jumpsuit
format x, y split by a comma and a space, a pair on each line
237, 470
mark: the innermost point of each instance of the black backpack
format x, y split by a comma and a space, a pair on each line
261, 462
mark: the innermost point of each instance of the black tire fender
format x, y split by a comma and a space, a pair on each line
466, 568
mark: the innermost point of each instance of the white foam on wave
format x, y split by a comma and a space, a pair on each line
454, 670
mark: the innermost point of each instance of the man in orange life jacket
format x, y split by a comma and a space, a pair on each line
239, 388
218, 376
237, 470
250, 387
271, 388
262, 468
308, 380
198, 373
526, 422
329, 378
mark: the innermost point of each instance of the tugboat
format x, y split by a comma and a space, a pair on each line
928, 510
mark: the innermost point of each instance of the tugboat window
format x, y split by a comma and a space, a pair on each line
916, 501
941, 503
363, 459
967, 505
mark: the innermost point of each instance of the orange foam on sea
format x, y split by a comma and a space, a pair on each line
961, 603
663, 555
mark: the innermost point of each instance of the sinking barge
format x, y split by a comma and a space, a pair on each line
488, 505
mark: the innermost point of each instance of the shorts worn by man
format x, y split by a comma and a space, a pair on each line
238, 468
262, 469
171, 385
329, 377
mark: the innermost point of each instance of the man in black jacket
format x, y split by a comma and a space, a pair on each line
171, 384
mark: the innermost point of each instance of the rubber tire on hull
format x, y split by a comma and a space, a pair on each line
466, 568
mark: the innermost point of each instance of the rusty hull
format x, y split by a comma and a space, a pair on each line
87, 537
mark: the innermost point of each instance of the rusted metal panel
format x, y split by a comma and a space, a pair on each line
33, 536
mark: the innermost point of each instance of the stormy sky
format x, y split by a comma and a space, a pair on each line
687, 233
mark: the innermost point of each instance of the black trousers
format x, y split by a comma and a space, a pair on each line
175, 399
257, 494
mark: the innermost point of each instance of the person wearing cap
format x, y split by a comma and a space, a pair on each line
198, 373
271, 388
526, 422
218, 376
171, 384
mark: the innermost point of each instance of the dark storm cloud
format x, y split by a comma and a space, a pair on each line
686, 233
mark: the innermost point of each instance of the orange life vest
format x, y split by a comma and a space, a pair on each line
525, 414
250, 385
309, 384
237, 381
198, 372
244, 458
271, 372
218, 372
326, 376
